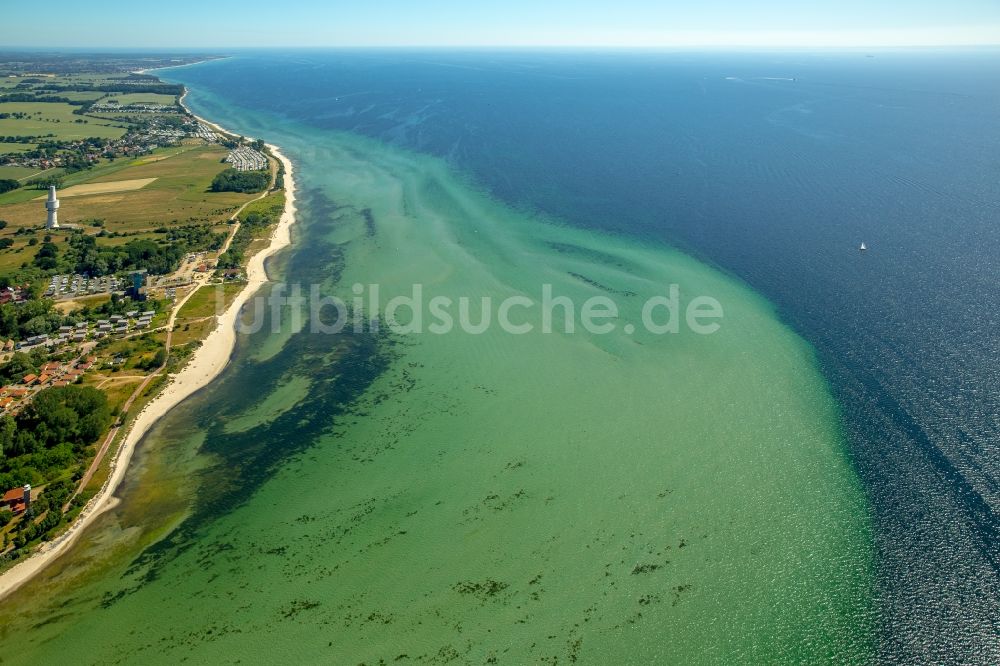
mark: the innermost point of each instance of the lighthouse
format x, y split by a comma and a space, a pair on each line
52, 205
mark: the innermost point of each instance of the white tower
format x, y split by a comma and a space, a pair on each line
52, 205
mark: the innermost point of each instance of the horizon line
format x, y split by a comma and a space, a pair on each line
512, 47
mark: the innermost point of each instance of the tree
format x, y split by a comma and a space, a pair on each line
19, 365
157, 360
47, 257
45, 183
232, 180
7, 430
71, 415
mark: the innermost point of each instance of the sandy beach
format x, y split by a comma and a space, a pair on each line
205, 365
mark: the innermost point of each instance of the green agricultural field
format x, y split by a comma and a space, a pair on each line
141, 98
102, 171
55, 118
82, 96
16, 172
17, 147
179, 195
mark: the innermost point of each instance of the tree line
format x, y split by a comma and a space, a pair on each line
247, 182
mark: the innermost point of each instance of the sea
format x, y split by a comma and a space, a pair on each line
815, 480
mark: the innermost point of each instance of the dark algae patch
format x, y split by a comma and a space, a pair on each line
483, 590
341, 370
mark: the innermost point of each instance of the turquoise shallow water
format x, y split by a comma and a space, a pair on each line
352, 498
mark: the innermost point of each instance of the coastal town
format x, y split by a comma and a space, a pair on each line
106, 304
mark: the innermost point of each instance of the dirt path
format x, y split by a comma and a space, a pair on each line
96, 463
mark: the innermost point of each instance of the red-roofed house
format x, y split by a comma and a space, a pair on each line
29, 380
44, 378
17, 500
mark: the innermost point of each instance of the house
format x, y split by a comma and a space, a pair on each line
29, 380
18, 499
44, 379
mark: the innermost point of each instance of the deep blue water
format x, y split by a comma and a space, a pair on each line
773, 167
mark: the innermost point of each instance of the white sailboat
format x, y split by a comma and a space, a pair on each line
863, 248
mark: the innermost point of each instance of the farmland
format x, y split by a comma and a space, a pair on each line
177, 195
45, 118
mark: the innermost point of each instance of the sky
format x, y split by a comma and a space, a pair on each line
571, 23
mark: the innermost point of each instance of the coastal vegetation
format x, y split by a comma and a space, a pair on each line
254, 219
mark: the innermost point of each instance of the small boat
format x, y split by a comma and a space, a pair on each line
863, 248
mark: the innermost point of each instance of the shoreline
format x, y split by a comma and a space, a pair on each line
205, 364
187, 64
